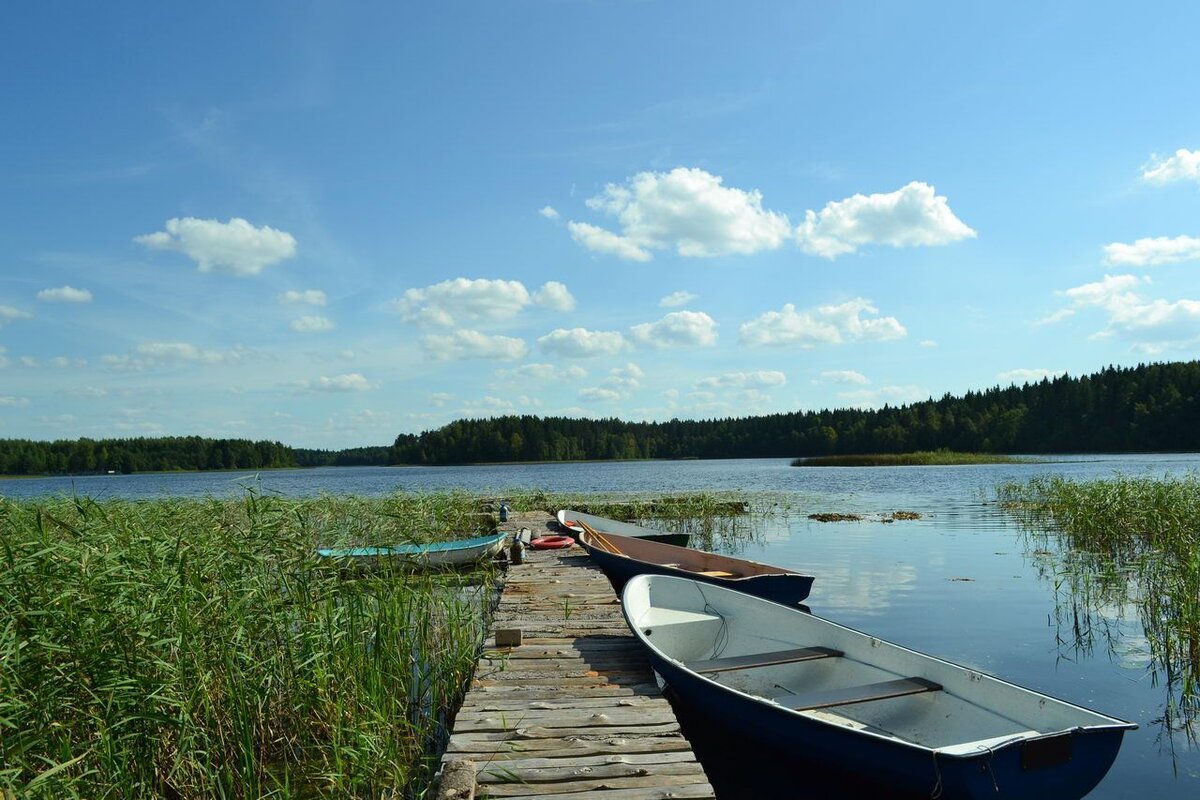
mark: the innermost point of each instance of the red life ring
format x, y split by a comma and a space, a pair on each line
551, 542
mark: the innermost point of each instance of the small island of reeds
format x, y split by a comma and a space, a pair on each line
920, 458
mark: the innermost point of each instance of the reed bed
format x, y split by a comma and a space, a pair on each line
196, 648
920, 458
1126, 542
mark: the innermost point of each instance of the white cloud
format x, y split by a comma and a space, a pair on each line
689, 210
761, 379
599, 240
676, 299
9, 314
548, 212
488, 405
307, 297
1152, 325
555, 296
677, 329
911, 216
235, 247
928, 343
4, 361
1151, 251
884, 395
65, 294
179, 352
829, 324
350, 382
30, 362
88, 392
1019, 376
599, 394
1057, 316
626, 378
581, 343
462, 300
845, 376
62, 362
312, 324
440, 399
464, 344
1184, 165
541, 372
8, 401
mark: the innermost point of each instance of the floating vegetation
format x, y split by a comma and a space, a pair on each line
190, 648
893, 516
1124, 543
905, 515
921, 458
831, 517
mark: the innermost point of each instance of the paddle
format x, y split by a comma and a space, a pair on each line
598, 536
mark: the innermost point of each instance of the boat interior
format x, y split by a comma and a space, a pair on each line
840, 676
699, 562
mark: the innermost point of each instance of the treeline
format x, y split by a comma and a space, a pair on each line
1151, 407
77, 456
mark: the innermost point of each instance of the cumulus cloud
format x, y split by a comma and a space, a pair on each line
4, 360
911, 216
65, 294
9, 314
463, 300
9, 401
1152, 325
688, 210
1150, 251
155, 354
677, 329
312, 324
350, 382
845, 376
761, 379
541, 372
1184, 165
626, 378
466, 344
599, 394
830, 324
235, 247
676, 299
307, 297
884, 395
555, 296
1019, 376
928, 343
440, 399
581, 343
548, 212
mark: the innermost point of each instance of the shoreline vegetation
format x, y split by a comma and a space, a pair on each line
1147, 408
1123, 543
195, 648
923, 458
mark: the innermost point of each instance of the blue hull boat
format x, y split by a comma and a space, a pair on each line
434, 554
918, 724
622, 558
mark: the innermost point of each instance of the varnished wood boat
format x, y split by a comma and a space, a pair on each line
920, 725
569, 520
622, 557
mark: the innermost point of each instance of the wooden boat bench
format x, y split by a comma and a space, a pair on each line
884, 690
762, 659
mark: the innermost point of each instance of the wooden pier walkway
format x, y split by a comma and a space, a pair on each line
574, 710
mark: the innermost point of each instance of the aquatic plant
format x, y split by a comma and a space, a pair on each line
920, 458
1125, 542
194, 648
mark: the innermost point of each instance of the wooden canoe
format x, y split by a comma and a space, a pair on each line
920, 725
569, 520
434, 554
622, 557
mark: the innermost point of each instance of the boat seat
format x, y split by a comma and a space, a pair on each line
901, 687
762, 659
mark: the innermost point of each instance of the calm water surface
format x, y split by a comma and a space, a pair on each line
963, 582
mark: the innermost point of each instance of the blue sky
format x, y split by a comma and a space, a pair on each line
330, 223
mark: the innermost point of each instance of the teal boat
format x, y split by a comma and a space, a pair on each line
434, 554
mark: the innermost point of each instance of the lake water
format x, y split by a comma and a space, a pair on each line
963, 583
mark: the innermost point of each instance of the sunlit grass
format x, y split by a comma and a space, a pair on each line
1127, 542
195, 648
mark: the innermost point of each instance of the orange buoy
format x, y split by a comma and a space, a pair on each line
551, 542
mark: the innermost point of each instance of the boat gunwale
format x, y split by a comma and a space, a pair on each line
942, 752
778, 571
419, 549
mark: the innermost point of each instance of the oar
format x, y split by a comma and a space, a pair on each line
598, 536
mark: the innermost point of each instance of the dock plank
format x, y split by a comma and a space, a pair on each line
574, 711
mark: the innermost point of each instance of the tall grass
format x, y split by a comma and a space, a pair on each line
1128, 541
920, 458
195, 648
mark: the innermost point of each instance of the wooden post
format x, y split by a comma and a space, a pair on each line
458, 781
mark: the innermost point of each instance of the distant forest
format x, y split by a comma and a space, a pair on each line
1151, 407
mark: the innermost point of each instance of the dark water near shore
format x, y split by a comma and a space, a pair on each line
963, 583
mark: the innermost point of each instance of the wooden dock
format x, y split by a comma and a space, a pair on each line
574, 711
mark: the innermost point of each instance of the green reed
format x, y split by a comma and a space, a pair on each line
920, 458
1126, 542
196, 648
